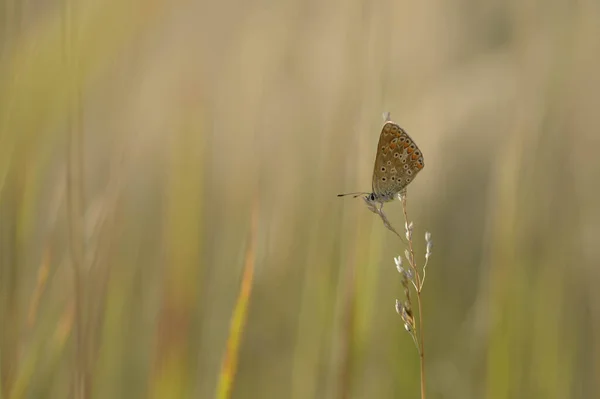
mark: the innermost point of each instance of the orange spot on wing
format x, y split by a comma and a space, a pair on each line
410, 150
392, 146
414, 156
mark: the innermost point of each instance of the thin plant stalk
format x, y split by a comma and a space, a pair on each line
418, 289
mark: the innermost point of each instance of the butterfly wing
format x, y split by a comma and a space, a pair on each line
397, 162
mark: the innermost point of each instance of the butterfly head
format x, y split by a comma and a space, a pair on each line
381, 198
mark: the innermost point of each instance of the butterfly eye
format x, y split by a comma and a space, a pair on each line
407, 180
409, 172
395, 140
372, 197
396, 155
402, 139
393, 178
383, 179
405, 166
412, 146
417, 153
389, 163
404, 160
383, 169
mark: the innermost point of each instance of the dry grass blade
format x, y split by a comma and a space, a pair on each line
240, 314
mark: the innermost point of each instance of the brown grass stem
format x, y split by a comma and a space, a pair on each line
418, 290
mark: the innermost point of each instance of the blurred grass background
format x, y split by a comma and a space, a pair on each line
140, 139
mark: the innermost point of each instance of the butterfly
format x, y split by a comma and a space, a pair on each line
397, 163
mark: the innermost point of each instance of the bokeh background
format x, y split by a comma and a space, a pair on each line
169, 226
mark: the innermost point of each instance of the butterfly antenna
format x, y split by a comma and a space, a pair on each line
353, 194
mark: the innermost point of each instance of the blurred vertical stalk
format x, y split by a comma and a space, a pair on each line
10, 260
181, 275
240, 314
507, 273
9, 242
349, 334
74, 195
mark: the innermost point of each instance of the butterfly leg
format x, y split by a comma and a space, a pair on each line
402, 194
371, 205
